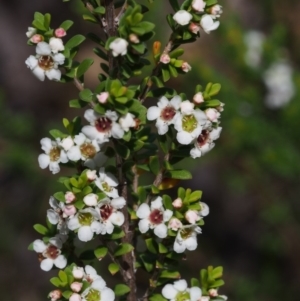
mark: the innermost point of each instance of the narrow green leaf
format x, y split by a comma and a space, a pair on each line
57, 134
100, 10
41, 229
151, 245
66, 24
154, 164
165, 74
77, 103
175, 5
179, 174
56, 281
84, 66
100, 252
214, 90
195, 196
63, 277
157, 297
121, 289
86, 95
60, 196
75, 41
170, 274
123, 249
217, 283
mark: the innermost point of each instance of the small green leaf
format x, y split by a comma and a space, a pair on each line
30, 247
175, 5
100, 10
113, 268
56, 281
217, 283
60, 196
176, 53
67, 294
214, 90
217, 272
179, 174
76, 103
57, 134
86, 95
154, 164
170, 274
157, 297
121, 289
195, 282
162, 249
40, 229
165, 74
66, 24
75, 41
63, 277
151, 245
84, 66
195, 196
100, 252
123, 249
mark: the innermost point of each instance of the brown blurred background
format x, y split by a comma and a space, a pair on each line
250, 180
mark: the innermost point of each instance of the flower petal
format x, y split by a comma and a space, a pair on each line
39, 246
43, 160
144, 225
143, 211
46, 264
161, 231
169, 292
60, 261
85, 233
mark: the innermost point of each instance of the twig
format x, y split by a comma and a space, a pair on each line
79, 85
121, 12
135, 182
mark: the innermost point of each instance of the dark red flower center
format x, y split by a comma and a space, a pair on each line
103, 125
106, 211
168, 113
52, 252
46, 62
203, 137
156, 217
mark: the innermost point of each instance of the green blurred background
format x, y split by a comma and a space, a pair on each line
250, 180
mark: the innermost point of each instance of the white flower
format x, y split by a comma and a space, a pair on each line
127, 122
186, 239
31, 32
53, 155
110, 215
45, 63
91, 199
102, 127
198, 5
279, 81
189, 124
182, 17
56, 45
51, 253
254, 41
165, 113
154, 217
180, 291
118, 46
91, 275
87, 223
208, 24
67, 143
204, 142
216, 11
204, 209
107, 182
98, 291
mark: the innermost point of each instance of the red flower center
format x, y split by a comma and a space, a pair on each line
168, 113
103, 125
203, 137
156, 217
46, 62
52, 252
106, 211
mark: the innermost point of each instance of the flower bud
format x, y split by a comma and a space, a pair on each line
212, 114
182, 17
186, 67
216, 10
102, 97
75, 297
118, 47
56, 45
156, 47
198, 5
30, 32
174, 224
60, 32
78, 272
198, 98
76, 287
55, 295
36, 38
69, 210
192, 216
67, 143
133, 38
165, 58
213, 292
177, 203
70, 197
194, 28
91, 199
91, 175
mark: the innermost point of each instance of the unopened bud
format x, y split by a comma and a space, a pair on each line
102, 97
91, 175
198, 5
187, 107
174, 224
55, 295
133, 38
198, 98
76, 287
212, 114
192, 216
70, 197
213, 292
75, 297
165, 58
216, 10
194, 28
186, 67
177, 203
78, 272
156, 47
36, 38
91, 199
69, 210
60, 32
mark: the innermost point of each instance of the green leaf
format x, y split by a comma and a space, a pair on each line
211, 2
84, 66
217, 272
100, 252
142, 193
90, 18
195, 196
170, 274
99, 52
154, 164
147, 26
39, 17
76, 103
56, 281
66, 24
151, 245
157, 297
60, 196
30, 247
176, 53
63, 277
121, 289
195, 282
39, 25
123, 249
214, 90
75, 41
57, 134
175, 5
67, 294
47, 20
165, 74
217, 283
179, 174
40, 229
100, 10
86, 95
162, 249
117, 234
113, 268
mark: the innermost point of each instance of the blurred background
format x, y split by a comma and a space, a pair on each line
250, 179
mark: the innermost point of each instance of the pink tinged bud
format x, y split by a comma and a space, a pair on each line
165, 59
216, 10
191, 216
175, 224
198, 5
194, 28
102, 97
212, 114
198, 98
60, 32
213, 292
36, 38
186, 67
133, 38
75, 297
177, 203
70, 197
78, 273
55, 295
76, 287
91, 175
69, 210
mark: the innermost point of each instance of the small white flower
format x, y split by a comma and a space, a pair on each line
67, 143
91, 199
31, 32
198, 98
212, 114
182, 17
87, 223
186, 239
216, 11
205, 142
165, 113
102, 127
118, 46
45, 63
189, 124
198, 5
208, 24
53, 155
56, 45
154, 217
107, 182
127, 122
180, 291
51, 253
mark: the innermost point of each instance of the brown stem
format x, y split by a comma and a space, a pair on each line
79, 85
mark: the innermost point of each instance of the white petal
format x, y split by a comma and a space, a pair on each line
162, 127
39, 246
99, 284
167, 215
44, 161
46, 264
108, 227
117, 218
179, 248
153, 113
31, 62
204, 209
91, 199
92, 133
184, 138
195, 293
143, 211
63, 157
73, 223
117, 131
144, 225
215, 133
107, 294
59, 58
85, 233
53, 74
43, 48
52, 216
91, 116
118, 203
54, 203
46, 145
200, 116
54, 167
60, 261
195, 153
175, 102
111, 180
96, 227
191, 243
157, 203
90, 270
180, 285
169, 292
39, 73
79, 139
74, 153
161, 231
